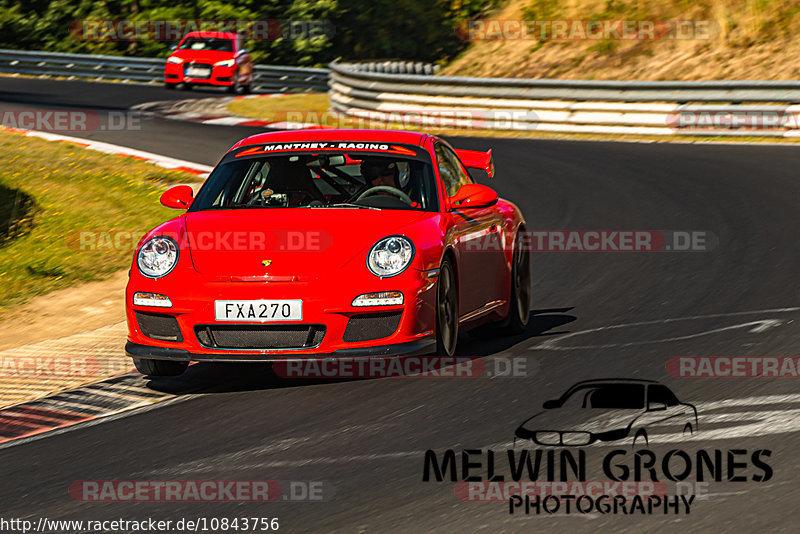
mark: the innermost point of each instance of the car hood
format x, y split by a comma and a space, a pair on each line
206, 56
294, 241
593, 420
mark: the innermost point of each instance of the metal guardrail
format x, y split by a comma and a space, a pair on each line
375, 92
268, 78
388, 90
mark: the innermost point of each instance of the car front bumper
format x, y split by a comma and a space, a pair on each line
330, 325
409, 348
220, 76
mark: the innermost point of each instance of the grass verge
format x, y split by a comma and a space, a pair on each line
73, 190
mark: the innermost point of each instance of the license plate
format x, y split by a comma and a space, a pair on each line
198, 72
258, 310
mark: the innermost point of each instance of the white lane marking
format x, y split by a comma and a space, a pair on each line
766, 325
748, 401
758, 327
766, 423
743, 424
210, 463
754, 424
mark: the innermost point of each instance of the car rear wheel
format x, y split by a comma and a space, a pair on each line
520, 298
446, 310
150, 367
169, 86
187, 86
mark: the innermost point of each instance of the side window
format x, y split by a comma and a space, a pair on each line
447, 170
450, 164
463, 175
662, 394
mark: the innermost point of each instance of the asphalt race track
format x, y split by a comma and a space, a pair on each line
596, 315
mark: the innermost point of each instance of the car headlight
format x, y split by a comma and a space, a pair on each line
173, 59
226, 63
390, 256
157, 257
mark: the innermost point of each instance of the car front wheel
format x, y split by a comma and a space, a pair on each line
446, 310
150, 367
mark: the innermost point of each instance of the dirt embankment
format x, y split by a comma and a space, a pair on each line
693, 40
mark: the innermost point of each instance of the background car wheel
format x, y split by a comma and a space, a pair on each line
639, 438
520, 299
169, 86
186, 86
446, 310
150, 367
246, 89
235, 87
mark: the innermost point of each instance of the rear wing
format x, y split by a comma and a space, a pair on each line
475, 159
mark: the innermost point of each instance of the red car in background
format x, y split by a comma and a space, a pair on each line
353, 243
210, 58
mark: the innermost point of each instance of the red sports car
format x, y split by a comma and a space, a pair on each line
353, 243
210, 58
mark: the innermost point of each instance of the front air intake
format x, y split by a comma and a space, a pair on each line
369, 326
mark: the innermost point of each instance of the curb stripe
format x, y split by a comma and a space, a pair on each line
172, 110
107, 148
66, 406
102, 399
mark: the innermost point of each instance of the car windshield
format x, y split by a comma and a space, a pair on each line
607, 396
320, 180
207, 43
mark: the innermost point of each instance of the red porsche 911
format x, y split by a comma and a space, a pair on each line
210, 58
352, 243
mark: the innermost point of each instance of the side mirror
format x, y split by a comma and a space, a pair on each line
179, 197
549, 405
656, 406
473, 196
173, 47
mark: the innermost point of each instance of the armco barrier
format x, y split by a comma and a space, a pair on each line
268, 78
387, 91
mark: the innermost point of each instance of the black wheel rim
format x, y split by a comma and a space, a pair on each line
447, 311
522, 282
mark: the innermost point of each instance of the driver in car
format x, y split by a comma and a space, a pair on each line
382, 172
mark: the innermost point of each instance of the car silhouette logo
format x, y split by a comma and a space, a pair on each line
266, 263
614, 409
